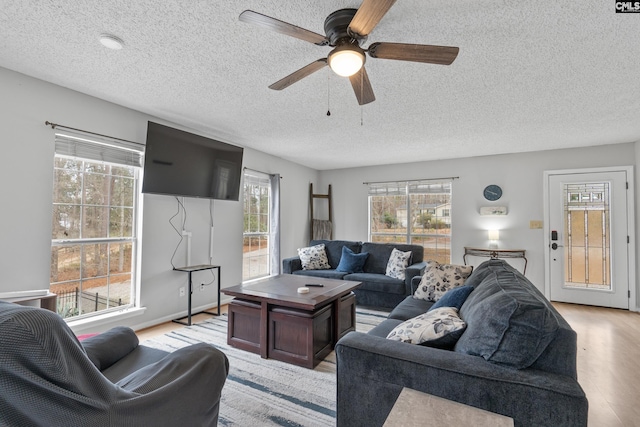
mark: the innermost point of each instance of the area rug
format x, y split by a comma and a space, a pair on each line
265, 392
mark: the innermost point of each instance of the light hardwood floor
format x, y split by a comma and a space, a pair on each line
608, 360
163, 328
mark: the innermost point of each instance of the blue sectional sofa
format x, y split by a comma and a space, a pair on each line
377, 289
516, 357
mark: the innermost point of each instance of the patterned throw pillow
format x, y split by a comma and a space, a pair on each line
437, 328
314, 258
398, 262
439, 278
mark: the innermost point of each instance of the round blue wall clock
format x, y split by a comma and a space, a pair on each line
492, 192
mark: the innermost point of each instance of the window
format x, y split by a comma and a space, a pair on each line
94, 233
261, 255
416, 212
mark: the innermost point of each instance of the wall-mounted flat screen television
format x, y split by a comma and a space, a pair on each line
180, 163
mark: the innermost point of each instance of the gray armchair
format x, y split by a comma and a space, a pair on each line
47, 377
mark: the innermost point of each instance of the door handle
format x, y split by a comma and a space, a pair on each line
555, 246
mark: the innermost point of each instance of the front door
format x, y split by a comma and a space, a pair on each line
587, 233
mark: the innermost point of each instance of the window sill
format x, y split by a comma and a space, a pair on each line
97, 323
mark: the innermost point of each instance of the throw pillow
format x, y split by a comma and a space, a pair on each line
314, 258
453, 298
439, 278
398, 262
439, 328
351, 262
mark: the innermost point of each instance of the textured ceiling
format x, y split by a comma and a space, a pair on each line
530, 75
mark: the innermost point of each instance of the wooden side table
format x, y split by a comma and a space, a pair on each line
47, 301
496, 254
414, 407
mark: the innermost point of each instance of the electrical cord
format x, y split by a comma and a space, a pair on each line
213, 276
184, 221
213, 279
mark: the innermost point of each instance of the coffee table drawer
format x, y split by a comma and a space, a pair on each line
244, 325
300, 337
346, 315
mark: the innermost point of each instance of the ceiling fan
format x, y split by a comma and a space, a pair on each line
346, 30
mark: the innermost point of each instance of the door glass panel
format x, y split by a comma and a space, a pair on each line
587, 235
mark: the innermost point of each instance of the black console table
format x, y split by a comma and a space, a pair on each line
190, 270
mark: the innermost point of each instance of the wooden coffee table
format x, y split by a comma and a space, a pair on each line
269, 317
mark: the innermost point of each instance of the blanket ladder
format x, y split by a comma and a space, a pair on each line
320, 229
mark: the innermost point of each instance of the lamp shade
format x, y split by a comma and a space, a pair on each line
346, 60
494, 234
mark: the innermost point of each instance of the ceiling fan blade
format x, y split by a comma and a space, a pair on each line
299, 75
251, 17
443, 55
368, 16
362, 87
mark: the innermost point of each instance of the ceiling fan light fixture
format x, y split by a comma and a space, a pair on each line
346, 60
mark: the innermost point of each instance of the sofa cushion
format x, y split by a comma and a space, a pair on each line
379, 254
508, 320
483, 270
439, 278
333, 249
107, 348
377, 283
397, 264
140, 357
441, 326
351, 262
327, 274
314, 258
384, 328
410, 307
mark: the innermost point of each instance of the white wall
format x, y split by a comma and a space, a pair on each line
27, 170
26, 176
519, 175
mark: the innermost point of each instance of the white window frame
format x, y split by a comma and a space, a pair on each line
407, 189
104, 150
260, 179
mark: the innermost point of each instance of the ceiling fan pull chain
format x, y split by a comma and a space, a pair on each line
328, 94
361, 94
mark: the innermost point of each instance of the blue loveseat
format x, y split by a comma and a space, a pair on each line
516, 357
377, 289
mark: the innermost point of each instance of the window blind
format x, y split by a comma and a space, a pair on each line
97, 148
402, 188
256, 179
